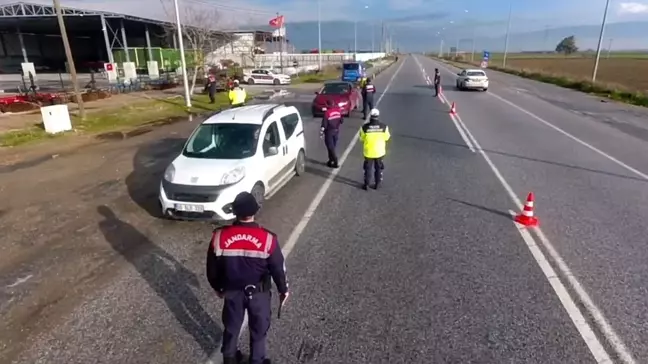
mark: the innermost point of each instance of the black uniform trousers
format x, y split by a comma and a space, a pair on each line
367, 105
436, 89
212, 93
378, 166
259, 315
330, 140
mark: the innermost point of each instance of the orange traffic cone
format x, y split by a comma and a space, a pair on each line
526, 218
453, 109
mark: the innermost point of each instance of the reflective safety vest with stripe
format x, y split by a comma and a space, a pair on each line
374, 136
237, 96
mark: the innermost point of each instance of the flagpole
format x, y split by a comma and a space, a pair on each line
281, 46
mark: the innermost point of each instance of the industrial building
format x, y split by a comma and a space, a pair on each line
30, 33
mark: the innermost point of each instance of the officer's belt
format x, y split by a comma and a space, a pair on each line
264, 286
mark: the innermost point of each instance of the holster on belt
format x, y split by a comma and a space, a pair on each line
264, 286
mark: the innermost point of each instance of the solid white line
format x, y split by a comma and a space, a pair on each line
583, 327
310, 211
598, 351
556, 128
454, 121
572, 137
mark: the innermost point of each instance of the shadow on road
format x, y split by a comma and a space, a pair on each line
149, 163
483, 208
170, 280
524, 158
318, 171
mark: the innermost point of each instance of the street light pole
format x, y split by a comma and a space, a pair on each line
319, 34
508, 30
183, 61
598, 49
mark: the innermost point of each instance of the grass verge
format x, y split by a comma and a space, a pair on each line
112, 119
614, 93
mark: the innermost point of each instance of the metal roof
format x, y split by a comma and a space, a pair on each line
29, 10
24, 10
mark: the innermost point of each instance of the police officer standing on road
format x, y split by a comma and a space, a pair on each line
330, 131
368, 92
237, 95
211, 88
240, 262
437, 82
374, 136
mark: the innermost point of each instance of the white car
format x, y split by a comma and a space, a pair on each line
256, 148
474, 79
265, 77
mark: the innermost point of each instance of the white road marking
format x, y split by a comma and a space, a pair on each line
583, 327
572, 137
20, 281
310, 211
452, 117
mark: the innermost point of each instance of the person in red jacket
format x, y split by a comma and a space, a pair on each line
330, 131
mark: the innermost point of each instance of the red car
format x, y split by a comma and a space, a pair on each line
343, 93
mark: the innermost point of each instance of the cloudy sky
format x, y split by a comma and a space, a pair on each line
448, 18
428, 13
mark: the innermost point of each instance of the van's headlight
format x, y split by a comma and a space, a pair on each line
343, 103
169, 173
233, 176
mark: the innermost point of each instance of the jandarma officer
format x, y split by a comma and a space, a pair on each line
240, 262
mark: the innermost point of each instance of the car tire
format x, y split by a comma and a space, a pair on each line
486, 89
300, 163
276, 82
259, 193
250, 81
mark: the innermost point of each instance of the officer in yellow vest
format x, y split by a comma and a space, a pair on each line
237, 95
374, 136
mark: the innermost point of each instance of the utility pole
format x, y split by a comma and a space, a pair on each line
70, 60
600, 41
183, 61
319, 35
508, 30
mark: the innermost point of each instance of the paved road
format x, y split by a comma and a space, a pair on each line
429, 269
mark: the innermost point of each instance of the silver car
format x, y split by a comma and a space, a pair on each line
472, 79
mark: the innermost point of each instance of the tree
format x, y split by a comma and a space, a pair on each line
200, 35
567, 45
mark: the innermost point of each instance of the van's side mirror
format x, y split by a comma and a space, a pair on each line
459, 74
272, 151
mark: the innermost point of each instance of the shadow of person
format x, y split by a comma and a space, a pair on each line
170, 280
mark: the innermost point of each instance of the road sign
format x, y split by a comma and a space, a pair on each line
484, 64
108, 66
486, 55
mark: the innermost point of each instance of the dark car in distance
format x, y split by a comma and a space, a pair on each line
343, 93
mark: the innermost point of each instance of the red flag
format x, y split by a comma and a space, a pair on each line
277, 22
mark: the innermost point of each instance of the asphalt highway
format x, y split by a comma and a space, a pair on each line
428, 269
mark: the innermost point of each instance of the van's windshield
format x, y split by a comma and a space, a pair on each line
351, 66
223, 141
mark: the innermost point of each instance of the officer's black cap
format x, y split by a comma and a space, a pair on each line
245, 205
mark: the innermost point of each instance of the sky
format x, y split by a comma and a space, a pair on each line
436, 18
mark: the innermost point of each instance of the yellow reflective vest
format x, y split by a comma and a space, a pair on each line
363, 82
374, 136
237, 96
